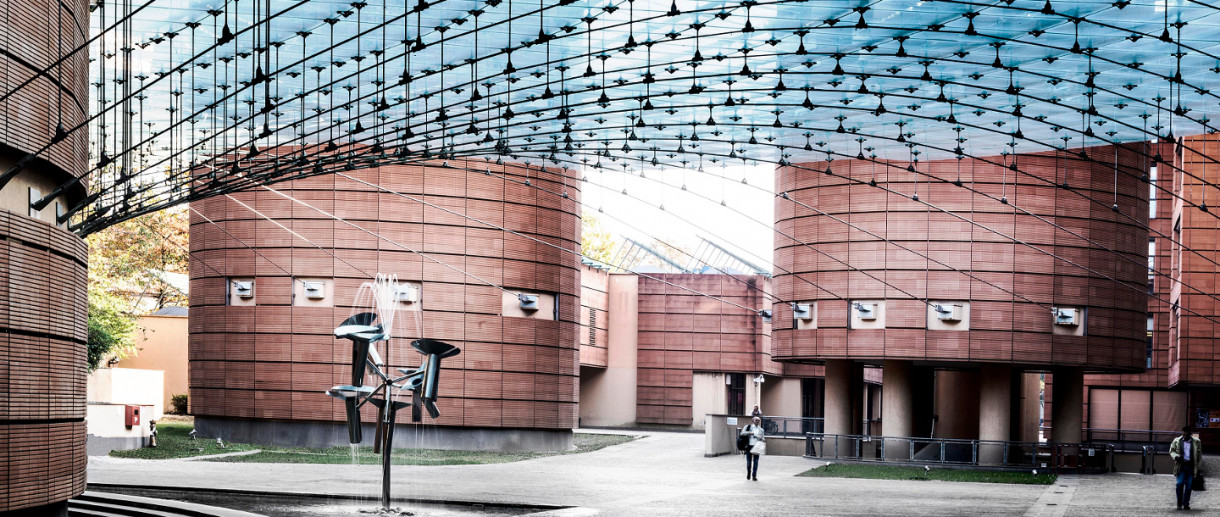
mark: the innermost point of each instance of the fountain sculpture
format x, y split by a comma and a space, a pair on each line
363, 331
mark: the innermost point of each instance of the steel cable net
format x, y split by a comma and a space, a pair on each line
192, 99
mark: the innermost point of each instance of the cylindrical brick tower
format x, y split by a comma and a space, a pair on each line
261, 359
1008, 272
43, 306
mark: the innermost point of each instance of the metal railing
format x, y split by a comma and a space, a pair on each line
947, 451
1126, 440
791, 427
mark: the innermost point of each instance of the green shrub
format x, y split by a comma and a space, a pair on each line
179, 403
111, 329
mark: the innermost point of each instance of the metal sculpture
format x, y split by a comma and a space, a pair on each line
422, 382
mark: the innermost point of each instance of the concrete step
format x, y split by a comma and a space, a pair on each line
93, 504
79, 512
120, 509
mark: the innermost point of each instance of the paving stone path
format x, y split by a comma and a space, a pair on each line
665, 474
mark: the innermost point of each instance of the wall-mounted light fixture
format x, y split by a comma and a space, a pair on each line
866, 311
802, 311
529, 302
314, 290
406, 293
1066, 317
243, 288
949, 312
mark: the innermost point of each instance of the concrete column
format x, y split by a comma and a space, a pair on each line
608, 398
1067, 405
896, 412
844, 380
1030, 406
957, 404
995, 410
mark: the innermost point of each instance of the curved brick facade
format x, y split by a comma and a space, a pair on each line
32, 112
43, 318
1003, 327
273, 360
43, 300
688, 325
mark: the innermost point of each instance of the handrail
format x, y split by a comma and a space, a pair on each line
1132, 440
962, 452
791, 427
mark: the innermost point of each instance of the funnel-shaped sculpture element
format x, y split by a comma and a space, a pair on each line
361, 331
433, 351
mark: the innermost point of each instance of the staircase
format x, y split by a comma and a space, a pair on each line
102, 504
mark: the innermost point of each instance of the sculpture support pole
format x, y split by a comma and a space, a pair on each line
386, 456
379, 431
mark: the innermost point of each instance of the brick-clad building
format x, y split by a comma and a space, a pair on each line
1180, 383
262, 362
681, 346
893, 264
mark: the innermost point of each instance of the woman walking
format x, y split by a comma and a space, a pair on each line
758, 447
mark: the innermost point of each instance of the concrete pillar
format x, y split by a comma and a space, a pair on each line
923, 400
608, 398
896, 406
957, 404
1067, 405
995, 410
844, 381
1030, 406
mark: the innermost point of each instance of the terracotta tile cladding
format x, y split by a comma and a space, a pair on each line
273, 362
42, 363
892, 247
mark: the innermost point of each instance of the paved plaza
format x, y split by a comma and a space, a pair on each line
665, 473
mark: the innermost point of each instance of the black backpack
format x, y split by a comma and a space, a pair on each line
743, 442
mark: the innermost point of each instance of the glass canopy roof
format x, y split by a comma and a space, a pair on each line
196, 97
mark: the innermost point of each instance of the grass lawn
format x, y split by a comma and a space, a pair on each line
838, 470
174, 442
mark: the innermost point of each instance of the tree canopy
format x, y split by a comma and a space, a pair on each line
596, 242
134, 260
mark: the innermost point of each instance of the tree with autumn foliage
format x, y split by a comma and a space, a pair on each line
130, 264
596, 242
135, 259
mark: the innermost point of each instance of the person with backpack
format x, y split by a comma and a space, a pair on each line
753, 444
1187, 454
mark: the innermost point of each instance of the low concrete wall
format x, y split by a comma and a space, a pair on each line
128, 386
102, 445
1133, 461
107, 431
720, 434
720, 437
330, 434
777, 446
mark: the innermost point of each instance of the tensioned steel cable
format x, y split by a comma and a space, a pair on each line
1141, 289
618, 266
297, 235
457, 269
